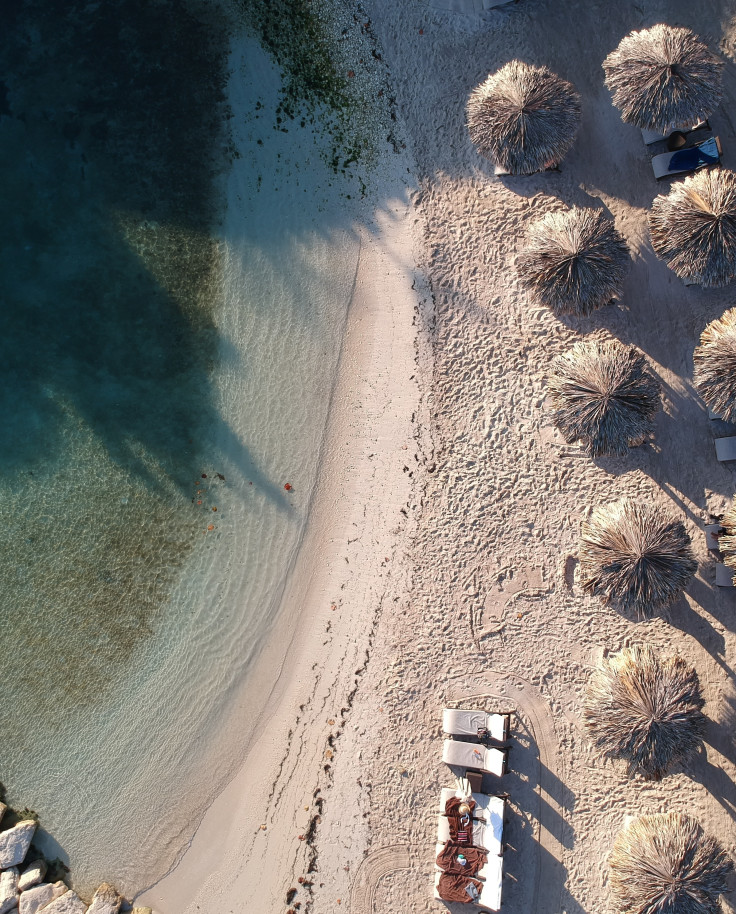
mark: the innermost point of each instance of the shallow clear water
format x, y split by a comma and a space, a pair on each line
152, 370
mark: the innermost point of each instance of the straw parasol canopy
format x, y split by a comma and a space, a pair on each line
664, 77
573, 261
715, 365
604, 396
727, 538
523, 118
666, 864
635, 556
693, 227
645, 709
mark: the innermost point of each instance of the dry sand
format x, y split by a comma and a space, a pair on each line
479, 599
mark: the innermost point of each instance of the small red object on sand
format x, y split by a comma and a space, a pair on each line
421, 31
288, 487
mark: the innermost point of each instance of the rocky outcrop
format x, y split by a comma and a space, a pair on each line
25, 892
39, 896
8, 890
105, 900
70, 903
14, 843
32, 875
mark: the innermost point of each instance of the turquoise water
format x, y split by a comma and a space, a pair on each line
166, 368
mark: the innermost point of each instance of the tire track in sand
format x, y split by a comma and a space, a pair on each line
375, 866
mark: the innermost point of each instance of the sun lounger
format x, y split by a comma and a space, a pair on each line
724, 575
492, 881
652, 136
486, 807
726, 448
470, 723
711, 536
474, 755
488, 835
687, 160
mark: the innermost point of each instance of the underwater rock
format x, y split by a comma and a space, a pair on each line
105, 900
14, 843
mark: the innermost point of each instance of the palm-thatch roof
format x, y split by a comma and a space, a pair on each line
645, 709
604, 396
715, 365
523, 118
635, 556
727, 537
666, 864
664, 77
693, 227
573, 261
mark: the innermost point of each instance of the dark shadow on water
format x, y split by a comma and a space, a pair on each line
111, 141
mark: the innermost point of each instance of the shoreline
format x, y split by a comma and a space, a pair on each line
364, 451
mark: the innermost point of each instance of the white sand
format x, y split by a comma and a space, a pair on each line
480, 601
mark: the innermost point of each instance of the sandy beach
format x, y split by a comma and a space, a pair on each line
440, 564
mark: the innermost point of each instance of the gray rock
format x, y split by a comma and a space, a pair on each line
3, 810
70, 903
8, 890
40, 896
106, 900
14, 843
32, 875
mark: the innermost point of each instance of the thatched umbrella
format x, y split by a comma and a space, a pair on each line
604, 396
664, 77
523, 118
573, 261
693, 227
635, 556
727, 537
645, 709
715, 365
666, 864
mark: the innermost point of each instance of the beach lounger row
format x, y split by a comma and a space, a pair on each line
482, 828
